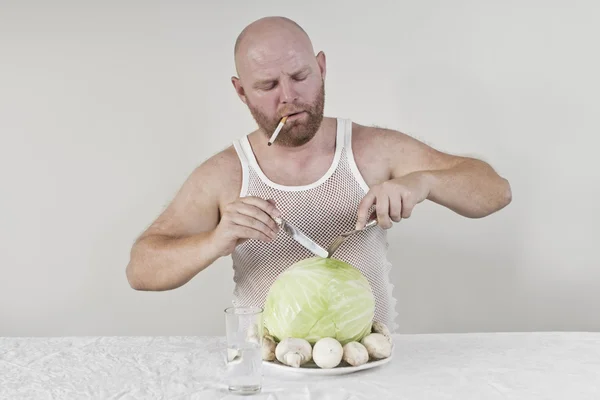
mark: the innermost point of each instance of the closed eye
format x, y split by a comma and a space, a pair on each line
299, 77
266, 85
271, 84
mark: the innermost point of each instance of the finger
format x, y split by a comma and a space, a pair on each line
363, 209
382, 206
246, 221
265, 205
276, 211
245, 232
258, 214
396, 207
407, 208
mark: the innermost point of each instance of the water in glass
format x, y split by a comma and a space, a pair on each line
244, 343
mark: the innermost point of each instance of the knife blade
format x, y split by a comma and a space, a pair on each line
301, 238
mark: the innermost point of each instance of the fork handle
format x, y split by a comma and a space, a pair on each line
370, 224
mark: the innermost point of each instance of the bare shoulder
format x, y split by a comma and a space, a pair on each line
196, 205
216, 178
398, 152
222, 174
370, 153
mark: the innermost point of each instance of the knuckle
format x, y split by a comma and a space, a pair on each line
389, 186
226, 218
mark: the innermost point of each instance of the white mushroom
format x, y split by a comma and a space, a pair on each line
379, 327
268, 348
355, 354
293, 352
327, 352
378, 346
252, 334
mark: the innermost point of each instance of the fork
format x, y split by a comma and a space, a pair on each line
342, 237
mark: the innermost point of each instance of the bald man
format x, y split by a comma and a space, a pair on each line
325, 175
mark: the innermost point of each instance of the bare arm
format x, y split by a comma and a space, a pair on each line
178, 244
205, 221
417, 172
468, 186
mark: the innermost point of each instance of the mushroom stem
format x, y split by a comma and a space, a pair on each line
293, 351
293, 359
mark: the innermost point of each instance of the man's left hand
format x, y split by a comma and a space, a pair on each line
394, 199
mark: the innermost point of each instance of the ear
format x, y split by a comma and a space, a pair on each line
322, 64
239, 89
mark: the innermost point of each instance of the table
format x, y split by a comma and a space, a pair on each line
536, 365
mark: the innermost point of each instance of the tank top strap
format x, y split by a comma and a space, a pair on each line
350, 155
245, 165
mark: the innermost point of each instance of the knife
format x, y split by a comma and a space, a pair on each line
301, 238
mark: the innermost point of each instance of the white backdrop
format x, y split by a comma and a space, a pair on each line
106, 107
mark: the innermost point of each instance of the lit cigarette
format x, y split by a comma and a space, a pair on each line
274, 136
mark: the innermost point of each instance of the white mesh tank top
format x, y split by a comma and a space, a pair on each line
322, 210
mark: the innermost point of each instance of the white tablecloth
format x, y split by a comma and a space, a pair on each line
434, 366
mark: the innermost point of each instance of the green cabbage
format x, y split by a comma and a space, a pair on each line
320, 297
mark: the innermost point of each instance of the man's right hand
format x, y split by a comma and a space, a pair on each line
246, 218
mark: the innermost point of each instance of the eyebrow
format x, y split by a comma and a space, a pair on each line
266, 82
302, 70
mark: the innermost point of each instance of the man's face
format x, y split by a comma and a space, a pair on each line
299, 128
278, 80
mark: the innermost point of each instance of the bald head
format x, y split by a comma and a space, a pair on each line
280, 75
271, 34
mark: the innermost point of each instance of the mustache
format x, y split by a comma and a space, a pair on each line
289, 112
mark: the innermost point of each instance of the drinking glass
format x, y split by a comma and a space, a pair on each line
244, 328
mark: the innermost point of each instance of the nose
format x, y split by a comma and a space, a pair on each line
288, 93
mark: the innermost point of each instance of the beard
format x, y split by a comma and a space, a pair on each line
298, 132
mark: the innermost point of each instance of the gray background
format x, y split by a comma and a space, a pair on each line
106, 107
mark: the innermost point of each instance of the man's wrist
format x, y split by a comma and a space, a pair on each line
430, 180
211, 245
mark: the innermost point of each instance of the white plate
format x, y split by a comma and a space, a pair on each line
310, 368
